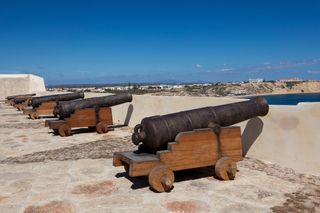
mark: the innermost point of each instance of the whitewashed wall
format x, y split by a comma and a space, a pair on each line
20, 84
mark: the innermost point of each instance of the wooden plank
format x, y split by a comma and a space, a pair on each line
55, 124
87, 117
134, 157
140, 164
142, 169
200, 148
46, 108
106, 115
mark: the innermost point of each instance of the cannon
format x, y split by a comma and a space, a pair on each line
37, 101
94, 113
44, 105
19, 99
21, 95
157, 131
189, 139
22, 102
65, 109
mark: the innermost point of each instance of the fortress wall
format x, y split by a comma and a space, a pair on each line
148, 105
288, 135
14, 84
36, 84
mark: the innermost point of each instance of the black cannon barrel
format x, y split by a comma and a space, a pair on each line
21, 99
157, 131
36, 101
20, 96
65, 109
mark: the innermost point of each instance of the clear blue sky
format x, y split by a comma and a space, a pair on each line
137, 41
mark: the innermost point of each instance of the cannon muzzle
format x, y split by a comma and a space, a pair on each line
157, 131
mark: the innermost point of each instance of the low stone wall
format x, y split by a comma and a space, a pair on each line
288, 135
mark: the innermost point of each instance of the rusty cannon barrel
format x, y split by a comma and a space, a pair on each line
37, 101
65, 109
20, 96
157, 131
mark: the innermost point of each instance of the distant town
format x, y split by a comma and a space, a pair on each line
219, 89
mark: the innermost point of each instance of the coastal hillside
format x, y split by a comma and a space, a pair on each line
212, 90
241, 89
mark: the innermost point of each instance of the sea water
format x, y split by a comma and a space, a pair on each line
290, 99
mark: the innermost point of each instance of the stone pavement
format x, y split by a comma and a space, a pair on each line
41, 172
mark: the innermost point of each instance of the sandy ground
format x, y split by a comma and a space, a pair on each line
42, 172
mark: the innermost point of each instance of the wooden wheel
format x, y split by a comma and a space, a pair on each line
226, 168
64, 130
34, 115
161, 178
102, 127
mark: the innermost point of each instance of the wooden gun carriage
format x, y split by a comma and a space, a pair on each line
94, 113
98, 118
201, 137
194, 149
44, 109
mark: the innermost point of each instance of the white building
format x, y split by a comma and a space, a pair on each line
255, 80
15, 84
290, 80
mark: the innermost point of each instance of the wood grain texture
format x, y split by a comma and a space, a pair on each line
140, 164
161, 178
46, 108
225, 168
202, 148
87, 117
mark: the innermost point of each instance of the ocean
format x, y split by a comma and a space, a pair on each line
290, 99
